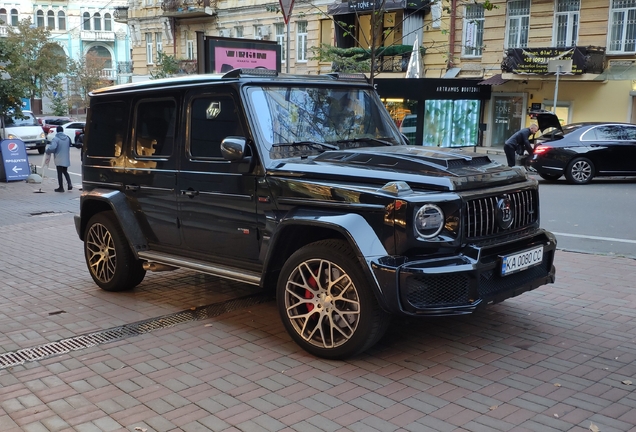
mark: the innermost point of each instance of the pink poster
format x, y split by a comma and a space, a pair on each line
228, 58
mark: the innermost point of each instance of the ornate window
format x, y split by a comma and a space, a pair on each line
87, 21
50, 20
97, 21
61, 20
301, 41
3, 16
108, 22
39, 18
517, 23
566, 23
622, 37
14, 17
473, 32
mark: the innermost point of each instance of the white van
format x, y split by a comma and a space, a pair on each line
26, 129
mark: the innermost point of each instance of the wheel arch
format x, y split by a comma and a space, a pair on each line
301, 230
100, 200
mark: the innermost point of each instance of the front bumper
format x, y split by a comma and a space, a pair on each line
35, 144
462, 283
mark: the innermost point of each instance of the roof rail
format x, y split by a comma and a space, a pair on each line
239, 72
348, 76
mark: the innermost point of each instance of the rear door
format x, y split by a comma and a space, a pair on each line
217, 203
612, 148
150, 178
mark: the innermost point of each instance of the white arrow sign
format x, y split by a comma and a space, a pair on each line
15, 169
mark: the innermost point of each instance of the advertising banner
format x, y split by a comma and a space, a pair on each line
15, 162
534, 61
225, 54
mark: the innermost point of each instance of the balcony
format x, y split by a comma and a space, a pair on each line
121, 14
125, 68
97, 36
188, 8
108, 74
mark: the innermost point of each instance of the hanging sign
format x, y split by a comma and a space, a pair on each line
286, 6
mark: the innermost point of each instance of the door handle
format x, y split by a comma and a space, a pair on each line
191, 193
133, 188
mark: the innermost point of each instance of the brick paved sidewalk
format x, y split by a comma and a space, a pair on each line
560, 358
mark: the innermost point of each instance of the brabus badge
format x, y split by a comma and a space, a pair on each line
505, 212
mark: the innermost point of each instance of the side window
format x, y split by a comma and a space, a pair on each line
212, 119
612, 133
106, 128
154, 127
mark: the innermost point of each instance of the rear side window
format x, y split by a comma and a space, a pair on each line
614, 133
106, 129
212, 119
155, 127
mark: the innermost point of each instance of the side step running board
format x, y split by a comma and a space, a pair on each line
225, 272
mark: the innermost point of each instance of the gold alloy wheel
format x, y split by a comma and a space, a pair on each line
101, 255
322, 303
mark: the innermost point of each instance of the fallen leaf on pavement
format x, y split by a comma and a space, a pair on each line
594, 428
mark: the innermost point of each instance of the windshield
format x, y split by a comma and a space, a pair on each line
343, 117
14, 121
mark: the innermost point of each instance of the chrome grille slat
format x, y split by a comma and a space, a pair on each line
480, 214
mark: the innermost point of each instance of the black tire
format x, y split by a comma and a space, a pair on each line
109, 259
336, 315
41, 150
580, 171
550, 177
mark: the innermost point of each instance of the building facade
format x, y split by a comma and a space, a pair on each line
80, 28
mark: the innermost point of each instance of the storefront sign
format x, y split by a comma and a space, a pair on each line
364, 5
534, 61
14, 160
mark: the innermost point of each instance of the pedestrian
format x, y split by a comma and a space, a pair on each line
518, 143
60, 148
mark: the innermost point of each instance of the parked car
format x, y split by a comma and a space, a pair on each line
302, 185
51, 122
25, 128
582, 151
73, 130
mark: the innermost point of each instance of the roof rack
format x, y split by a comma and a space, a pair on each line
348, 76
261, 72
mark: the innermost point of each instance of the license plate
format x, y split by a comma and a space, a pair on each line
521, 260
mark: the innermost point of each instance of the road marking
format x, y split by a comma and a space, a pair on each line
595, 237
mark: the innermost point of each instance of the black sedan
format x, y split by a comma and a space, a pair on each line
582, 151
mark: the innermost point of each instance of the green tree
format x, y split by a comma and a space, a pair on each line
11, 91
167, 66
36, 62
84, 76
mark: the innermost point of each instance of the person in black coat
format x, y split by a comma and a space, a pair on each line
518, 143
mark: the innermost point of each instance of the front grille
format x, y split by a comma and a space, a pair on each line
481, 213
437, 290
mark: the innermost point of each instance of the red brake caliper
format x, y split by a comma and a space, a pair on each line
309, 294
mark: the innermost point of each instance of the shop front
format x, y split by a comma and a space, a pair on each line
436, 112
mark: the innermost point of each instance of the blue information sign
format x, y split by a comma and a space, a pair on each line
14, 160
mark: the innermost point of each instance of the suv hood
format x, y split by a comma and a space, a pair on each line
421, 167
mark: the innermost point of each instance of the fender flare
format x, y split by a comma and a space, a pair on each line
116, 201
357, 232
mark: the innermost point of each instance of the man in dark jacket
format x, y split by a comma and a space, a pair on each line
60, 147
518, 143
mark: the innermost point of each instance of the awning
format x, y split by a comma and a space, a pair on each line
494, 80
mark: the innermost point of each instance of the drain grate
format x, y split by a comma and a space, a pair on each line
80, 342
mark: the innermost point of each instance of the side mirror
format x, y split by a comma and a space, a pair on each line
233, 148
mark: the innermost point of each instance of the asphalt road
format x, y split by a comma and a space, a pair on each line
594, 218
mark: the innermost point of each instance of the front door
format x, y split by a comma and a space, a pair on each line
217, 203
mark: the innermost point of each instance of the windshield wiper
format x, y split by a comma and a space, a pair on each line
373, 140
313, 144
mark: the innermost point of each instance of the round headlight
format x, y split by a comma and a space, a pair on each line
429, 221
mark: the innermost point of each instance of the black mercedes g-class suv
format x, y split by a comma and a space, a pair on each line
302, 184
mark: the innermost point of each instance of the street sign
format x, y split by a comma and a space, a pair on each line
286, 6
15, 164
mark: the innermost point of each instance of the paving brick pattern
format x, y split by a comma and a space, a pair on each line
559, 358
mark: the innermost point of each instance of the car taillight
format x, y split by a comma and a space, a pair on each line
541, 149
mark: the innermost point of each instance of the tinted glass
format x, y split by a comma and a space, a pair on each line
106, 129
212, 119
155, 126
614, 133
